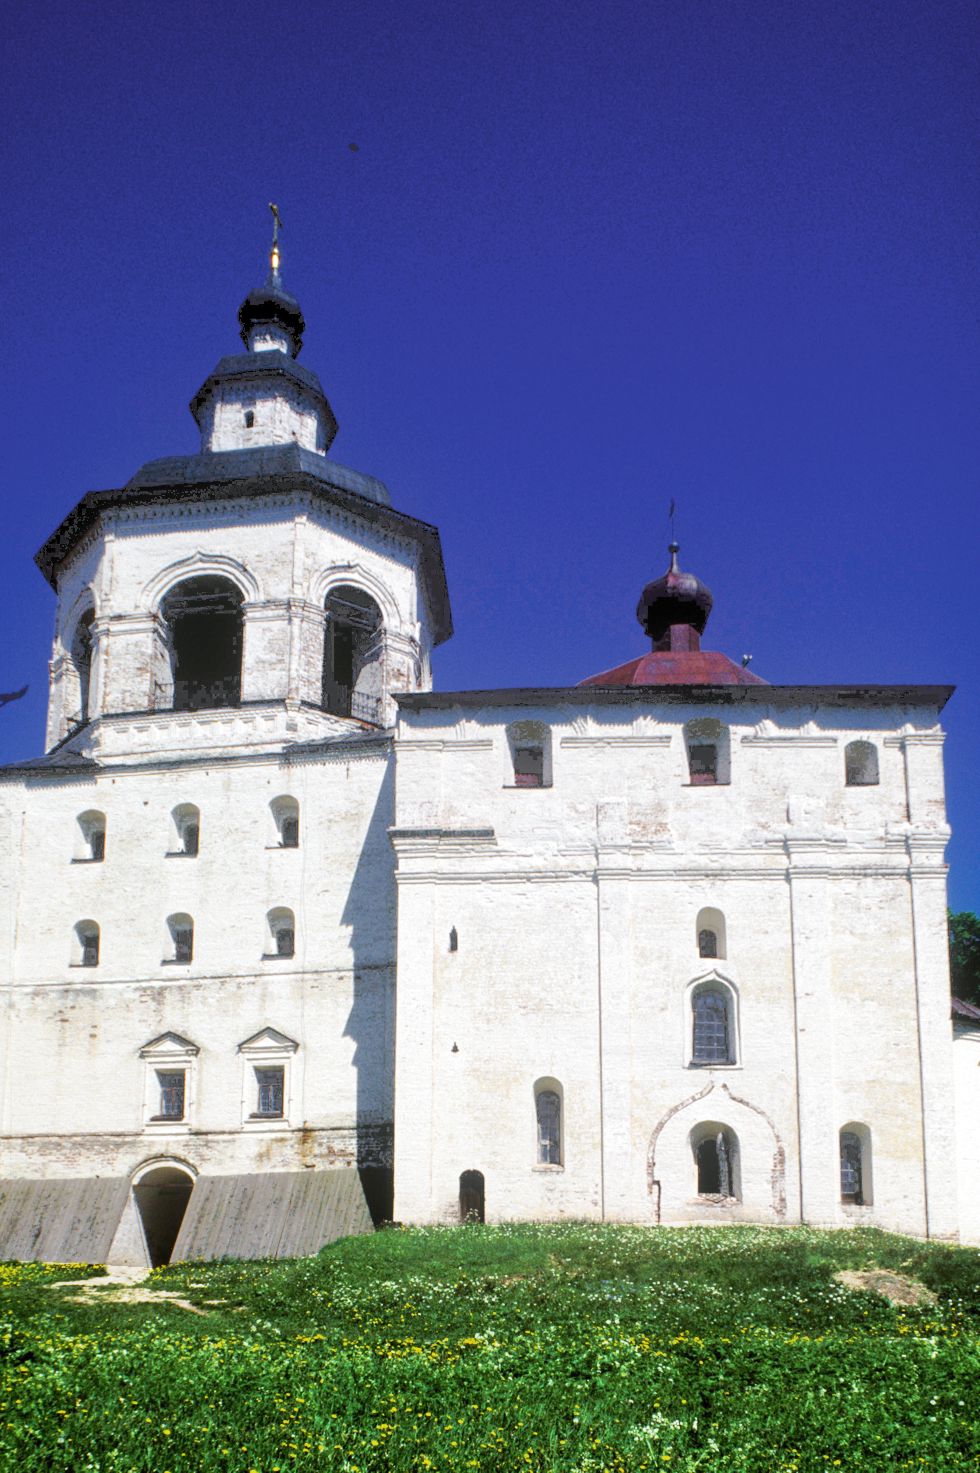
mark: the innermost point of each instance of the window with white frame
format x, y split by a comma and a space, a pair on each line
712, 1024
268, 1061
548, 1119
169, 1061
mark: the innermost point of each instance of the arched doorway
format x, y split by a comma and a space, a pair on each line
162, 1194
204, 619
472, 1197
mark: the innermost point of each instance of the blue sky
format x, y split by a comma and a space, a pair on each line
584, 259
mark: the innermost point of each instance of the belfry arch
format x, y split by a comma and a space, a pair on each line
353, 655
203, 623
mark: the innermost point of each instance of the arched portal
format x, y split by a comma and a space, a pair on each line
472, 1197
162, 1195
204, 620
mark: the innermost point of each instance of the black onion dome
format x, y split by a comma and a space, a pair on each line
676, 598
270, 303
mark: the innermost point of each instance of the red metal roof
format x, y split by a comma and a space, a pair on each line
677, 667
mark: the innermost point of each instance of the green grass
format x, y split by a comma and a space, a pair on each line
571, 1347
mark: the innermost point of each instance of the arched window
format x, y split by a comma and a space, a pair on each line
716, 1160
85, 944
861, 765
713, 1032
529, 750
181, 931
548, 1112
353, 650
282, 932
706, 742
285, 812
187, 829
472, 1197
80, 657
249, 419
91, 834
710, 931
204, 619
855, 1164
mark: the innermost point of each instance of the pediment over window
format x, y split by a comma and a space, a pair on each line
713, 975
169, 1046
268, 1041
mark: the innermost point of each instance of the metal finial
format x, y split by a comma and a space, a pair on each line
674, 549
274, 254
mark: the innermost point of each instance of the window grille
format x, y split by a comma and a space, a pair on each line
184, 944
850, 1168
289, 832
549, 1128
270, 1091
703, 763
90, 949
171, 1094
707, 943
191, 836
529, 767
285, 941
711, 1032
97, 845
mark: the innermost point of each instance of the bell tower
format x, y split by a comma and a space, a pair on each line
252, 595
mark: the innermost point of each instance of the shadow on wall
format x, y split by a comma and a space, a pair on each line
370, 913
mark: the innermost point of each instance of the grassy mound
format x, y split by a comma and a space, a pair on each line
559, 1347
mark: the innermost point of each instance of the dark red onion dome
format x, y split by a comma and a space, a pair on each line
674, 610
676, 598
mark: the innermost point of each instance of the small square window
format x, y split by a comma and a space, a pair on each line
270, 1090
703, 759
529, 767
172, 1092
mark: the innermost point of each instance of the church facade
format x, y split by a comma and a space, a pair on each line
294, 943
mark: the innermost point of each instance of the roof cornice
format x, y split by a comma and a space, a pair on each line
932, 696
86, 515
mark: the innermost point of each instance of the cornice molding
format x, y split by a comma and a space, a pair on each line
616, 741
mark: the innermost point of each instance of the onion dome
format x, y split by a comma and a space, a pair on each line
673, 610
675, 599
269, 316
268, 307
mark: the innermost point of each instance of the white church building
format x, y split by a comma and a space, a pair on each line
293, 943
